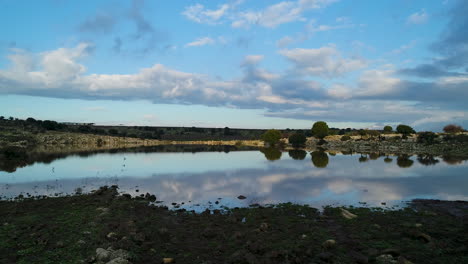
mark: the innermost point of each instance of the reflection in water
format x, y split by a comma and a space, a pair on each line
319, 159
271, 154
363, 158
205, 176
427, 160
452, 160
297, 154
388, 159
404, 161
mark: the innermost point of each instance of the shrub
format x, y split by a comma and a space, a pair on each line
345, 138
271, 137
297, 140
405, 130
387, 129
453, 129
426, 137
320, 129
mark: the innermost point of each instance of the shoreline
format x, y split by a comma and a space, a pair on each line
77, 229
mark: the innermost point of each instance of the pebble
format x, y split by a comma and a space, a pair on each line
168, 260
329, 244
241, 197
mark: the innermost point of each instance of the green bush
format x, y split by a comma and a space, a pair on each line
271, 137
320, 129
405, 130
426, 137
319, 159
387, 129
297, 140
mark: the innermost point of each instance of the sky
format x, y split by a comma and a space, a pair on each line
236, 63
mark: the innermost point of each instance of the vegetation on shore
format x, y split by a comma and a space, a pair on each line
93, 228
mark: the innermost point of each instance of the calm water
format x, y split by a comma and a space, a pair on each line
200, 179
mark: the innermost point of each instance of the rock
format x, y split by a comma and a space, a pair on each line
118, 261
102, 254
119, 253
264, 227
376, 226
168, 260
59, 244
418, 225
347, 214
112, 236
385, 259
424, 237
304, 236
329, 244
241, 197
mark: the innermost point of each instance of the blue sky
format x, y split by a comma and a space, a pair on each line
239, 63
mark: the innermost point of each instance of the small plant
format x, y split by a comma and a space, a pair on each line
345, 138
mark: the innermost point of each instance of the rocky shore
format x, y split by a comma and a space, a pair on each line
112, 228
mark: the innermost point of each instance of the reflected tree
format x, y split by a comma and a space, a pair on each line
452, 160
374, 156
404, 161
363, 158
427, 160
319, 159
297, 154
271, 154
388, 159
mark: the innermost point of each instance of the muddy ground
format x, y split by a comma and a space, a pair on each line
127, 230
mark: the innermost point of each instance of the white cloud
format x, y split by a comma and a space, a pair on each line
271, 16
420, 17
324, 62
201, 42
252, 59
200, 14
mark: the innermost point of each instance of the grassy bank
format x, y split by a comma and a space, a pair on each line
71, 229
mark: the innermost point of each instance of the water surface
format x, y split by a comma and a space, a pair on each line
264, 177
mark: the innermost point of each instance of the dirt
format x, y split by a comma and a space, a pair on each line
70, 229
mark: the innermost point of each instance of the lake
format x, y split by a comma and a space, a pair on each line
216, 178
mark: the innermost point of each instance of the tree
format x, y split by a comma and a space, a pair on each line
271, 137
405, 130
297, 140
320, 129
387, 129
426, 137
452, 128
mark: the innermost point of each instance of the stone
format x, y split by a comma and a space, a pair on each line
385, 259
241, 197
119, 253
102, 254
329, 244
118, 261
264, 227
112, 236
347, 214
168, 260
403, 260
424, 237
418, 225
